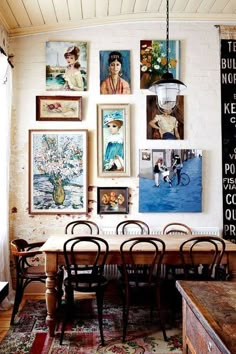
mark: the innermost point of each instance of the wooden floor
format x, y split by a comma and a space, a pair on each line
5, 316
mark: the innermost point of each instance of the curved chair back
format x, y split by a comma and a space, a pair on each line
192, 269
137, 227
24, 255
79, 226
131, 256
176, 228
74, 246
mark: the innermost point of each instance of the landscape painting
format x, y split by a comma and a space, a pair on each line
170, 180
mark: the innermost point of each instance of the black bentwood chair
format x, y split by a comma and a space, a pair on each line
80, 226
85, 278
136, 278
132, 227
176, 228
174, 272
212, 269
26, 258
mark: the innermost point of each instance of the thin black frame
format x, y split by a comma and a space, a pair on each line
112, 200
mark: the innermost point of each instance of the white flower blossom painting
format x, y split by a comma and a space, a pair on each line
57, 171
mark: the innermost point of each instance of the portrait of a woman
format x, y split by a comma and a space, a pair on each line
115, 72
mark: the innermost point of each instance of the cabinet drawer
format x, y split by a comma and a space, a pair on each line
198, 336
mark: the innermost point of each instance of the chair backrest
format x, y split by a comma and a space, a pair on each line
176, 228
82, 226
209, 270
133, 258
24, 252
132, 227
73, 249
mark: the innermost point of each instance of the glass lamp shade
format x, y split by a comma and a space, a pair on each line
167, 89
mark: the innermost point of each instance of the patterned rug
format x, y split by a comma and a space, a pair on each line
29, 335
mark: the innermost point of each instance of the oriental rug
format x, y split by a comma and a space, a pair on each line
29, 335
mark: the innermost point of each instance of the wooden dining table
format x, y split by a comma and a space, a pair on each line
53, 251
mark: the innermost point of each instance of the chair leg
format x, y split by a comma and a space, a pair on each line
59, 288
99, 297
162, 322
18, 298
126, 305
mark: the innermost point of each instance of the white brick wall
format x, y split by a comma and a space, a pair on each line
200, 70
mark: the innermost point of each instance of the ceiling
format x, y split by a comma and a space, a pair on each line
24, 17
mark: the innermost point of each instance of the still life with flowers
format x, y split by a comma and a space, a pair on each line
112, 200
58, 171
153, 61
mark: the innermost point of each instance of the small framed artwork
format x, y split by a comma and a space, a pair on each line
58, 108
58, 171
112, 200
66, 66
113, 127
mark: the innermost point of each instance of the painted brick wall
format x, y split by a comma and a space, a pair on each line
200, 70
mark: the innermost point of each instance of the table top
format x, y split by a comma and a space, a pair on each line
214, 304
55, 242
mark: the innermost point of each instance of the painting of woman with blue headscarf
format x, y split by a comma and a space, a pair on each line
114, 146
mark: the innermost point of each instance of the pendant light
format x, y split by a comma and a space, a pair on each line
167, 88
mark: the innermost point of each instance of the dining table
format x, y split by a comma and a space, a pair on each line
53, 252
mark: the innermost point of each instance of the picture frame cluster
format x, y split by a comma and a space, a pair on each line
58, 158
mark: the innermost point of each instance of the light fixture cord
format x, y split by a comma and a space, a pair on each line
167, 36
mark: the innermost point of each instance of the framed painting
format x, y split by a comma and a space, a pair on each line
58, 171
114, 72
164, 125
113, 127
170, 180
58, 108
153, 60
66, 66
112, 200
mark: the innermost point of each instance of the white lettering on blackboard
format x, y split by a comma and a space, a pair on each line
229, 108
229, 168
230, 199
229, 63
232, 46
230, 229
228, 78
230, 214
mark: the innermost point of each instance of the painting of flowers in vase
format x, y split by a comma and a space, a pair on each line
57, 171
153, 61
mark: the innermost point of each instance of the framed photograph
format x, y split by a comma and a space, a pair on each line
58, 182
66, 66
58, 108
112, 200
153, 60
113, 127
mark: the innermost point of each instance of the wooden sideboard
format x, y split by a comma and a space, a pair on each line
209, 317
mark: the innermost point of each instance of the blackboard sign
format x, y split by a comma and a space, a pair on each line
228, 114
